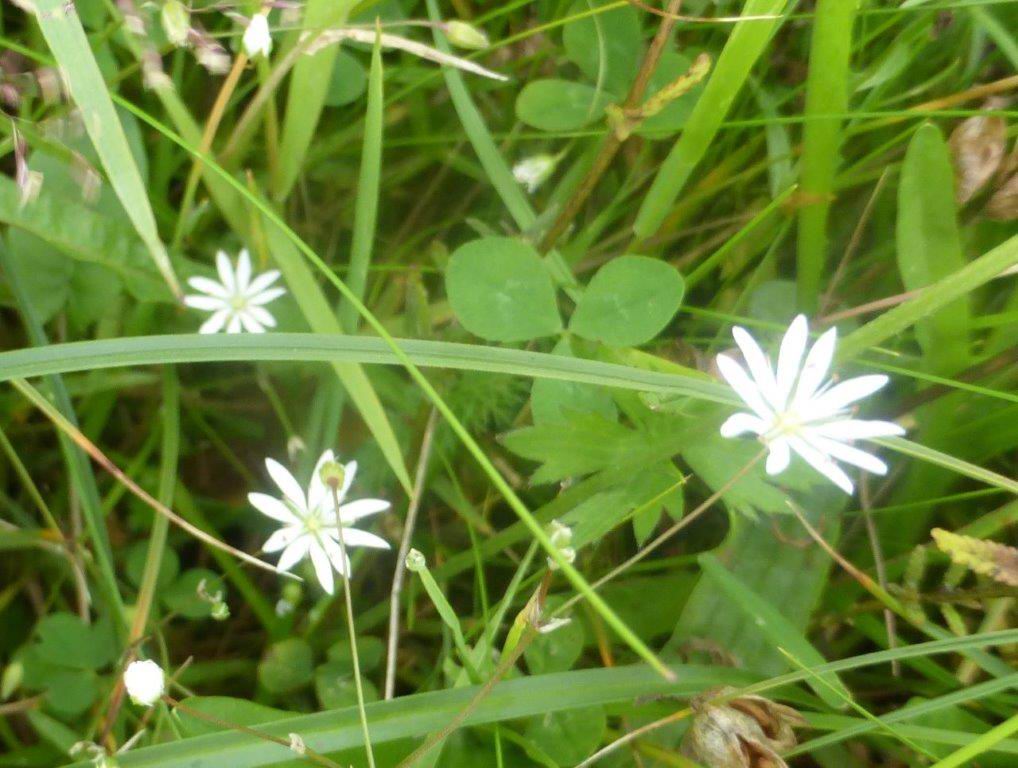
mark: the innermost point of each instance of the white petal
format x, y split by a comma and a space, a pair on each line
855, 429
294, 553
744, 386
822, 464
323, 566
354, 537
841, 395
287, 483
335, 554
793, 347
264, 297
215, 323
225, 270
355, 510
814, 370
779, 456
243, 274
740, 423
235, 325
211, 287
849, 454
263, 316
250, 324
205, 303
282, 538
263, 281
320, 495
759, 366
273, 507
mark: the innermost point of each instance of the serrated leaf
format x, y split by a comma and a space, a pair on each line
553, 400
560, 105
629, 301
500, 290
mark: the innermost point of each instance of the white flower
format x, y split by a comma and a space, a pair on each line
794, 409
145, 682
236, 302
309, 521
533, 171
257, 39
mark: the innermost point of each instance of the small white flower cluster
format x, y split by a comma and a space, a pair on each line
310, 524
145, 682
236, 301
794, 407
561, 536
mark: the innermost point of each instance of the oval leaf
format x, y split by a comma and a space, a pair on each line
500, 290
560, 105
605, 46
630, 301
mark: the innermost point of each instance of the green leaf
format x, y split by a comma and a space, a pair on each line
568, 737
80, 233
288, 666
62, 29
227, 710
349, 80
335, 686
929, 246
552, 401
606, 46
560, 105
556, 651
182, 597
169, 566
70, 692
629, 301
370, 651
670, 119
66, 641
779, 630
500, 290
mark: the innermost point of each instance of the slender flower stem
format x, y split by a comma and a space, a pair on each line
334, 486
404, 548
632, 736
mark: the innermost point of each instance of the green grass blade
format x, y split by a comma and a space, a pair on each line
779, 630
66, 39
309, 83
323, 320
979, 745
366, 210
826, 95
932, 456
933, 298
743, 49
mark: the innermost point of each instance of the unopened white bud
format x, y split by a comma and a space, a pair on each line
145, 682
464, 35
533, 171
257, 38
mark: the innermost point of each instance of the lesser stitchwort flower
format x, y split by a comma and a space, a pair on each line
145, 682
795, 409
257, 39
309, 520
533, 171
237, 302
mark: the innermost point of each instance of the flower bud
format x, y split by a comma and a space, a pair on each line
145, 682
332, 474
176, 19
533, 171
415, 561
257, 39
464, 35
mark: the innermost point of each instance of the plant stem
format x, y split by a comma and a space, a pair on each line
404, 548
353, 631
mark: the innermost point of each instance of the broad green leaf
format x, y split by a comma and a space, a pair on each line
69, 692
287, 666
66, 38
629, 301
66, 641
778, 629
335, 686
370, 651
82, 234
556, 651
605, 46
225, 709
560, 105
500, 290
169, 566
929, 246
568, 737
349, 80
553, 400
